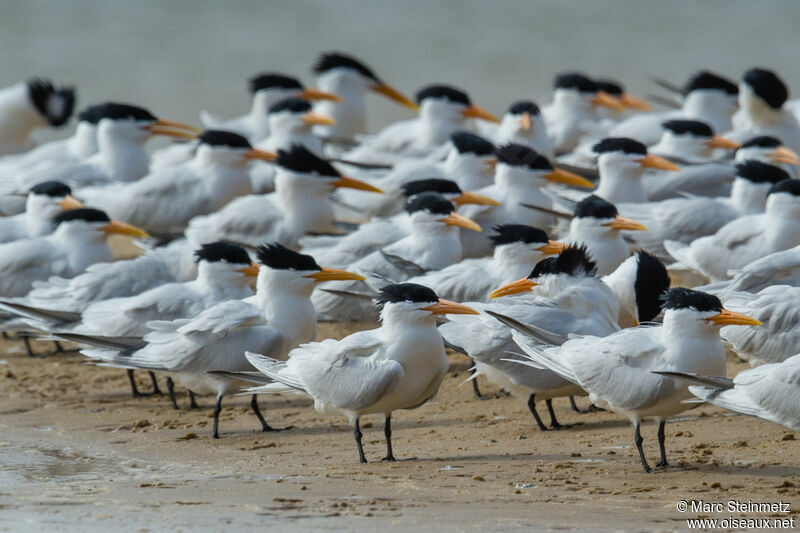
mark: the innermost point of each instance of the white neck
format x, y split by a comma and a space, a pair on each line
749, 198
18, 118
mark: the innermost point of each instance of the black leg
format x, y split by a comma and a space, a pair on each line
257, 411
532, 407
475, 390
574, 405
28, 348
156, 389
171, 392
192, 401
134, 389
357, 433
217, 409
661, 439
553, 422
387, 430
59, 348
638, 440
6, 336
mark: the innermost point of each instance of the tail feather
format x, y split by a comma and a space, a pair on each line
275, 370
542, 335
539, 356
122, 344
255, 378
729, 399
714, 382
50, 315
116, 359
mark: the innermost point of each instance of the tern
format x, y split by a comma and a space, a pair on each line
523, 124
616, 370
43, 202
777, 268
399, 365
28, 105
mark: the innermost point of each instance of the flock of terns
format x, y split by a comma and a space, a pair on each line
557, 226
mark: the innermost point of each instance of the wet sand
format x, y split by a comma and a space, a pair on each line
80, 454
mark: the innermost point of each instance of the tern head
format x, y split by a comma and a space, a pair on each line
574, 262
686, 310
410, 302
594, 215
448, 103
760, 173
224, 261
54, 104
626, 155
521, 165
760, 90
522, 118
523, 244
354, 75
692, 138
616, 90
296, 115
447, 188
280, 86
708, 93
92, 223
705, 80
574, 90
299, 168
472, 151
228, 148
783, 201
432, 211
136, 124
50, 197
767, 149
283, 269
639, 282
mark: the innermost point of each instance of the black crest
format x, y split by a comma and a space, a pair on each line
619, 144
299, 159
759, 172
405, 292
511, 233
270, 80
443, 91
688, 127
762, 141
293, 105
708, 80
767, 85
87, 214
573, 261
681, 298
56, 189
432, 202
332, 60
439, 185
216, 252
652, 280
91, 114
524, 106
518, 155
469, 143
790, 186
55, 104
595, 207
223, 138
610, 87
576, 81
278, 257
117, 111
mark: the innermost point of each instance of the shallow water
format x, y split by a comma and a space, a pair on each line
182, 56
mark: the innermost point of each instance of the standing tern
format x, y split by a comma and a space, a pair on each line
43, 202
747, 238
268, 89
349, 79
28, 105
616, 370
399, 365
277, 319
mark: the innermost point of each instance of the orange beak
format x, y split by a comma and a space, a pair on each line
393, 94
552, 248
525, 122
255, 153
606, 100
634, 102
654, 161
623, 223
446, 307
180, 125
784, 155
474, 111
454, 219
515, 287
721, 142
318, 119
316, 94
121, 228
732, 318
334, 274
158, 129
70, 202
472, 198
350, 183
562, 176
250, 270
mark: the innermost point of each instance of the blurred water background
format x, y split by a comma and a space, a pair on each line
179, 56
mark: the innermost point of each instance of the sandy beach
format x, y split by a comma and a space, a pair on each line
79, 453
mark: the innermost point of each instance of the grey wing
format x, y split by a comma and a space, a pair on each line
250, 220
23, 262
